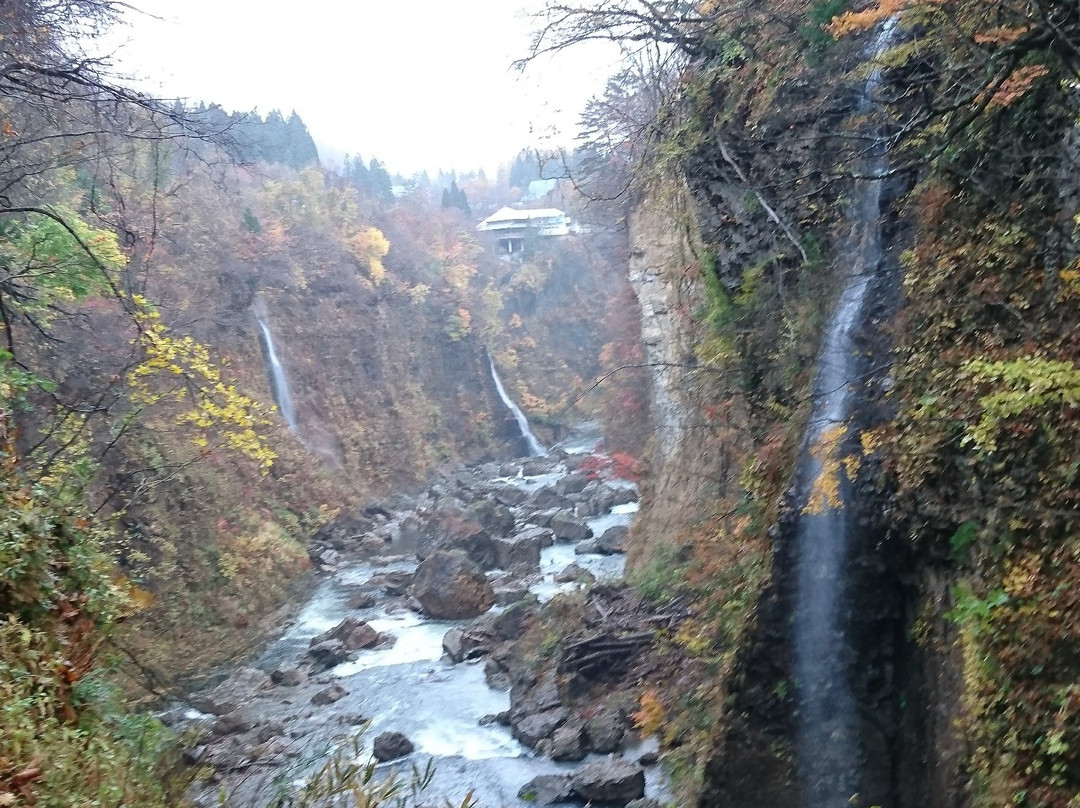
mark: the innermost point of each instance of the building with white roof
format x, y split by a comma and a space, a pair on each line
512, 227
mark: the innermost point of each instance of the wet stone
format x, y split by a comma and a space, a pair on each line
450, 585
648, 759
606, 730
232, 724
329, 695
572, 483
572, 573
328, 654
547, 789
609, 781
614, 540
567, 528
287, 678
270, 731
360, 600
587, 547
391, 746
567, 742
532, 729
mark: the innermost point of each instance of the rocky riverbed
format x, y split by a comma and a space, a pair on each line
415, 636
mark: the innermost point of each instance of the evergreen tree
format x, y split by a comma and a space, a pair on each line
454, 197
299, 145
379, 184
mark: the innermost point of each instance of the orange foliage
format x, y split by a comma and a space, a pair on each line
1000, 36
1016, 85
649, 717
853, 21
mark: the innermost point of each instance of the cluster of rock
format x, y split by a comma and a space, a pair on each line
367, 532
478, 539
473, 522
608, 781
552, 707
335, 646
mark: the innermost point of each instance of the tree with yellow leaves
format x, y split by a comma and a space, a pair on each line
369, 246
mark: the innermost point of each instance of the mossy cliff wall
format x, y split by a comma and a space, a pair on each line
963, 563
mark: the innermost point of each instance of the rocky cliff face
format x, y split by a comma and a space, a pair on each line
661, 247
950, 585
739, 308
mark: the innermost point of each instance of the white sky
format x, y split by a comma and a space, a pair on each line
420, 84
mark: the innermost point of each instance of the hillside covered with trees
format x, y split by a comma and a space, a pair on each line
159, 495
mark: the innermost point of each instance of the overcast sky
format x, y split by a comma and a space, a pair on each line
422, 84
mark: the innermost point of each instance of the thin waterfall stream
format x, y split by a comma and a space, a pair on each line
829, 754
535, 448
278, 379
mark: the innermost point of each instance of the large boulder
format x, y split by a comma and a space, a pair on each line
392, 583
493, 517
513, 621
352, 633
290, 677
547, 789
510, 495
606, 729
613, 540
462, 644
567, 528
328, 654
609, 781
360, 600
538, 533
588, 547
546, 498
596, 499
533, 728
391, 746
572, 483
488, 631
453, 529
519, 554
572, 573
567, 743
535, 466
449, 585
231, 724
529, 695
410, 530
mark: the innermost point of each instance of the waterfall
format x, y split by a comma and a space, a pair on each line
828, 759
523, 423
278, 380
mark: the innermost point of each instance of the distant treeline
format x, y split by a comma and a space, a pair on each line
275, 139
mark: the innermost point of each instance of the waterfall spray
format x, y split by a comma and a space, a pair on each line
535, 448
829, 752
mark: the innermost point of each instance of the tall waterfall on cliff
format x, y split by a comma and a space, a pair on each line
828, 759
535, 449
278, 380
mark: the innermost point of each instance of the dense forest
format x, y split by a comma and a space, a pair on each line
820, 298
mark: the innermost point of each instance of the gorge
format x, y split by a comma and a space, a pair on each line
753, 483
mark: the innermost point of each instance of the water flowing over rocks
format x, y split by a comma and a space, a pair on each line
421, 633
